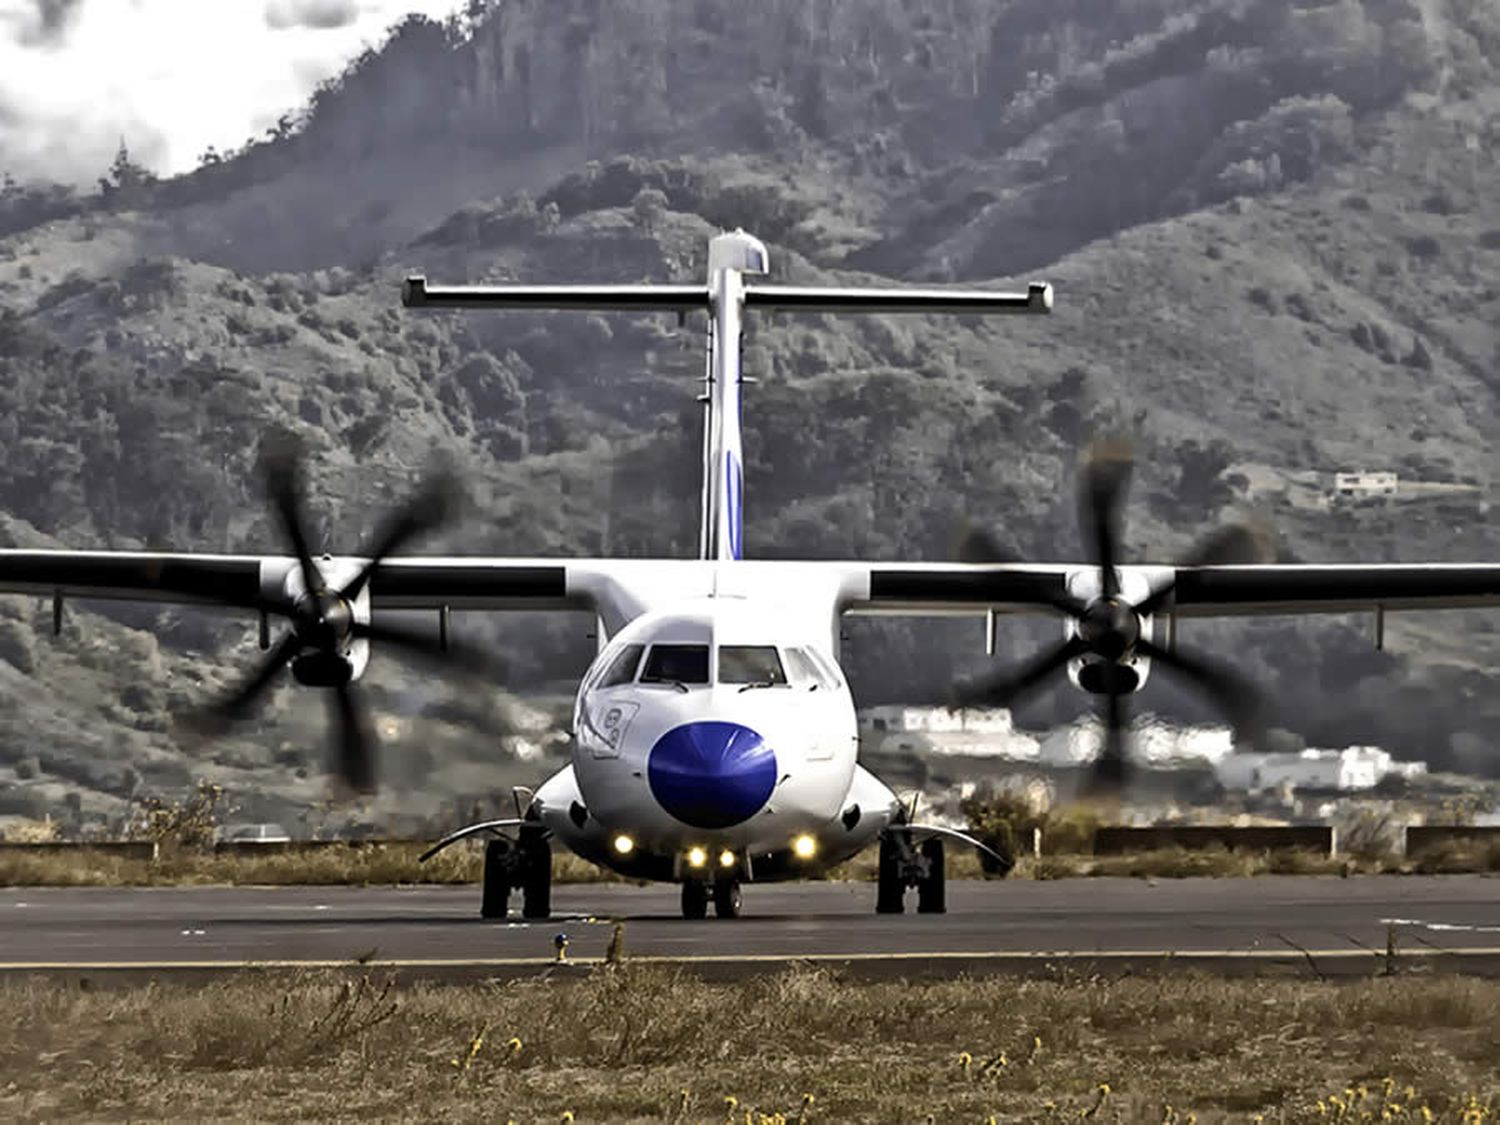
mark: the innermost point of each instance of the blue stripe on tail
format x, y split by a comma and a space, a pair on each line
733, 494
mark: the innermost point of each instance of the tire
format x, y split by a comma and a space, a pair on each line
932, 891
495, 902
727, 899
536, 875
694, 899
890, 894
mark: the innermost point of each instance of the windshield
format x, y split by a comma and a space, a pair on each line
622, 668
750, 664
676, 664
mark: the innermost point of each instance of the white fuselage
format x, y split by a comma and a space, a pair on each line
716, 728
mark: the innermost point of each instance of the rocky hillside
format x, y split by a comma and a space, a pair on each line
1272, 226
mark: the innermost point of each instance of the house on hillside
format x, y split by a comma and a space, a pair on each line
1353, 487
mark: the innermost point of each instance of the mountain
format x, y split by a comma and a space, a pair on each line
1272, 225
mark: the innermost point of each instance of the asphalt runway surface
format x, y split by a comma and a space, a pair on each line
1314, 925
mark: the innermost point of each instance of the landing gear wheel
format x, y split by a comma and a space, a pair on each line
694, 899
727, 899
497, 862
536, 874
891, 889
932, 891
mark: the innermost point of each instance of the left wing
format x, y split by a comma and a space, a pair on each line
250, 580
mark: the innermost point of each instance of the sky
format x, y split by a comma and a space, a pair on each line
170, 77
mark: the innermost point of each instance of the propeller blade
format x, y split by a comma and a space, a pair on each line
1112, 767
355, 764
237, 703
429, 509
1235, 544
978, 544
283, 471
468, 657
1012, 685
1233, 693
981, 546
1106, 477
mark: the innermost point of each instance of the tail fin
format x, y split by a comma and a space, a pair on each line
730, 257
726, 297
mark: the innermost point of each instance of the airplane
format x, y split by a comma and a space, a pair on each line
714, 738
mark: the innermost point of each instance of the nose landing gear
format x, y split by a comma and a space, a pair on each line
725, 894
523, 864
727, 898
903, 865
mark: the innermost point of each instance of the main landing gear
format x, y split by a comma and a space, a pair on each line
523, 864
725, 893
903, 865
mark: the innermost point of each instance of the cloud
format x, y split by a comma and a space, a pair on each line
36, 22
169, 77
317, 15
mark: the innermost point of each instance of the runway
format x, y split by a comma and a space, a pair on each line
1314, 925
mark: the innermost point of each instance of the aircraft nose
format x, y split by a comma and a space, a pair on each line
712, 774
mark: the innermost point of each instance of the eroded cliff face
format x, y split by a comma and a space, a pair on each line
974, 136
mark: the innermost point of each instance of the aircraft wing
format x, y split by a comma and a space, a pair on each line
480, 583
250, 580
1206, 591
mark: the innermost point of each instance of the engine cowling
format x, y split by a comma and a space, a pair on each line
1112, 629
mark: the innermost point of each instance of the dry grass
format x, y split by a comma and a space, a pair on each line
387, 864
358, 866
647, 1044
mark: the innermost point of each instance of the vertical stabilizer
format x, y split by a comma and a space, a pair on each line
730, 257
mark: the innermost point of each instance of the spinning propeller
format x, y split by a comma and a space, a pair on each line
324, 622
1109, 629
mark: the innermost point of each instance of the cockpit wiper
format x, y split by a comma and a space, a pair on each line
762, 684
678, 684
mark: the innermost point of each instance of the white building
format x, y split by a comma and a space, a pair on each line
1361, 486
1352, 769
1152, 743
970, 732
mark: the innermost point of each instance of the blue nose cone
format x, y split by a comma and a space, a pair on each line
711, 774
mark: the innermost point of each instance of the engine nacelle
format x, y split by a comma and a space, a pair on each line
344, 659
1097, 674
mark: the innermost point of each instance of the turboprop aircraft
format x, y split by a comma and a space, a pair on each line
714, 736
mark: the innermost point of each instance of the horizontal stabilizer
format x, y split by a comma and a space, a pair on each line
416, 293
1036, 299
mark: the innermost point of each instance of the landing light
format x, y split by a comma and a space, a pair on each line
804, 847
697, 857
726, 858
624, 845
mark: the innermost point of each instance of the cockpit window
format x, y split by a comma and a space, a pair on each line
676, 664
622, 667
830, 676
750, 664
803, 669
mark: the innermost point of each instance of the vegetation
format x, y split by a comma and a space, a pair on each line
1272, 227
349, 864
387, 864
648, 1044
